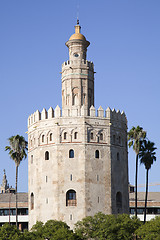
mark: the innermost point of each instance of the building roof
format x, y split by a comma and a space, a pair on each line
152, 196
153, 199
11, 197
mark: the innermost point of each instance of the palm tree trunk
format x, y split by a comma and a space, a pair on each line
145, 208
136, 177
16, 197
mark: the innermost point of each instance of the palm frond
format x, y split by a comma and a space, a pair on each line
17, 149
147, 154
135, 137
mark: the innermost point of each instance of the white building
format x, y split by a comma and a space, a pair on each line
153, 205
8, 206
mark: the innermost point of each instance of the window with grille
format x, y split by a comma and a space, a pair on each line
71, 198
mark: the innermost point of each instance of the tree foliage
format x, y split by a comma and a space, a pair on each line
150, 230
17, 148
107, 227
147, 154
135, 137
52, 230
147, 157
17, 152
8, 232
99, 227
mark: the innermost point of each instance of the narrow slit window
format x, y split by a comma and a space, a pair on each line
114, 139
31, 158
119, 200
65, 136
101, 136
50, 137
75, 135
118, 156
91, 135
97, 154
32, 201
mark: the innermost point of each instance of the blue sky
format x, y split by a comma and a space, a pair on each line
125, 49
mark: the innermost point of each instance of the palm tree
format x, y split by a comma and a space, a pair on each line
147, 157
135, 137
17, 152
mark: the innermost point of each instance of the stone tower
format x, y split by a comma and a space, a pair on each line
4, 186
77, 158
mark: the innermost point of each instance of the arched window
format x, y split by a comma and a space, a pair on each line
118, 156
71, 198
119, 140
65, 135
119, 200
97, 154
32, 201
71, 153
91, 135
101, 136
46, 155
50, 137
42, 138
75, 135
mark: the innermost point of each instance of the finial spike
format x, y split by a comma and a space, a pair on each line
77, 12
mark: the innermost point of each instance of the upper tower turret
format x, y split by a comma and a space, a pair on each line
77, 76
77, 44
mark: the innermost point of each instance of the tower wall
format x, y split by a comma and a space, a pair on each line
96, 181
77, 84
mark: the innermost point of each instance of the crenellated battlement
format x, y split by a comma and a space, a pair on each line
78, 62
113, 115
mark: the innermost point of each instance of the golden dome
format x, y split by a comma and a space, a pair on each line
77, 34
